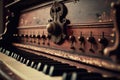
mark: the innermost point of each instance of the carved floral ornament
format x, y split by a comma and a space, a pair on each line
56, 27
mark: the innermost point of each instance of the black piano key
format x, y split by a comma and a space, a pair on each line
32, 58
98, 78
43, 61
58, 71
81, 76
15, 56
21, 59
40, 65
35, 64
110, 78
67, 75
32, 64
92, 78
36, 57
27, 62
18, 58
1, 48
12, 54
7, 52
47, 67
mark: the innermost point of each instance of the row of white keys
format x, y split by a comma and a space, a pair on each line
25, 72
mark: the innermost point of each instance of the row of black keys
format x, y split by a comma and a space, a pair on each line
54, 68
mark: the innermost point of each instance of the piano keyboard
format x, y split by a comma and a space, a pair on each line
34, 67
24, 72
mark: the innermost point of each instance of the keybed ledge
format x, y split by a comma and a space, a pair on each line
107, 64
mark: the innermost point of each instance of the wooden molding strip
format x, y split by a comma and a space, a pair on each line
79, 25
81, 58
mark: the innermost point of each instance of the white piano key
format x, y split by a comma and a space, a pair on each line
1, 49
24, 60
26, 73
7, 52
32, 63
18, 56
21, 59
38, 66
27, 62
12, 54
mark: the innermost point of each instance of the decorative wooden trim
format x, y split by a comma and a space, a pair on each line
92, 25
38, 6
79, 25
32, 27
10, 4
44, 5
107, 64
116, 12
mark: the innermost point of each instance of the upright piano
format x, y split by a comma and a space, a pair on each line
60, 40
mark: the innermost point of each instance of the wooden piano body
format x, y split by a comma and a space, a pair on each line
81, 33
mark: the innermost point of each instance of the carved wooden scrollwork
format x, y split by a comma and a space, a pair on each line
56, 27
115, 49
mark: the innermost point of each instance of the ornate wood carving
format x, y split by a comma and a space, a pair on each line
56, 26
114, 50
